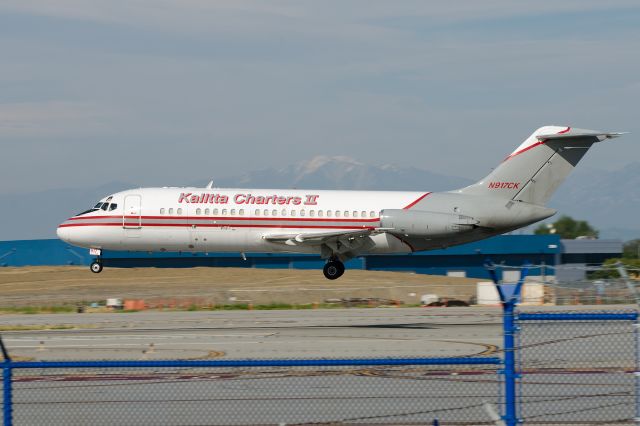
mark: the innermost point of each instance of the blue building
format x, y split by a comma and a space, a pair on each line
465, 260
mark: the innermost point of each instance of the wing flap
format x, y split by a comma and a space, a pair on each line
317, 237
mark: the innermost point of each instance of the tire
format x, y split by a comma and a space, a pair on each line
333, 269
96, 267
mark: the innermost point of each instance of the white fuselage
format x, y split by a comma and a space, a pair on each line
231, 220
338, 225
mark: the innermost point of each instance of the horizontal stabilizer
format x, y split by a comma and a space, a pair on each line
579, 133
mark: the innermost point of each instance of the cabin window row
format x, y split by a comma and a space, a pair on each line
277, 213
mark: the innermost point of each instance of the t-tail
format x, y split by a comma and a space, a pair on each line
533, 172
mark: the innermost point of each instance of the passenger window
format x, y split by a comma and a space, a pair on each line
302, 212
346, 213
241, 211
171, 211
328, 213
364, 214
284, 212
372, 214
207, 212
233, 212
266, 212
312, 213
215, 212
320, 214
162, 210
293, 212
224, 212
179, 211
257, 212
198, 212
274, 213
337, 213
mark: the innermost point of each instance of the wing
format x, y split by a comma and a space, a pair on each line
316, 238
345, 244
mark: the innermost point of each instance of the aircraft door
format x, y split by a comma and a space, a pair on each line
132, 214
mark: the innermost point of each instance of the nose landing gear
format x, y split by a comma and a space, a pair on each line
333, 269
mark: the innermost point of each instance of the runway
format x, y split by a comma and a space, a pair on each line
344, 333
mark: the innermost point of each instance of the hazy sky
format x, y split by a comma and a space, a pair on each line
164, 92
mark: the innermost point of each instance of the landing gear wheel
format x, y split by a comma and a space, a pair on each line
333, 269
96, 267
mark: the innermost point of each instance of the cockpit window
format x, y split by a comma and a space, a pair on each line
102, 205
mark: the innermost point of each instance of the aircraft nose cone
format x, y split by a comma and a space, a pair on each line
63, 233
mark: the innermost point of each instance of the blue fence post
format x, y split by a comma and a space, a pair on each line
510, 373
636, 336
508, 328
7, 399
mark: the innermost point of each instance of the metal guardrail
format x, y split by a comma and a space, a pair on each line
355, 362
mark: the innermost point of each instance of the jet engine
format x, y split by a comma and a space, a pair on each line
425, 224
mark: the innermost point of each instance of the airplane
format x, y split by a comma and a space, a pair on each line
337, 225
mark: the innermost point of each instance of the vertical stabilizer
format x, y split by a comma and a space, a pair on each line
534, 170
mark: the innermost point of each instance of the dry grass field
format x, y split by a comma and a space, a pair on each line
68, 285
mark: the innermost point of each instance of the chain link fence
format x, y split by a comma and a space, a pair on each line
172, 393
573, 367
577, 368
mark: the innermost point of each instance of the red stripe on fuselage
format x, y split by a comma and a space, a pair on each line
292, 219
220, 225
416, 201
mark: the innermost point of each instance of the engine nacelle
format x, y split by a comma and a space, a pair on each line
425, 224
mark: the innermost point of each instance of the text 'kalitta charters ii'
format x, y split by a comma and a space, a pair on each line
248, 199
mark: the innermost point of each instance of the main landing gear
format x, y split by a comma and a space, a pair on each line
96, 266
333, 269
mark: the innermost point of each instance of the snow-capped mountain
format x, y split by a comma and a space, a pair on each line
344, 173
